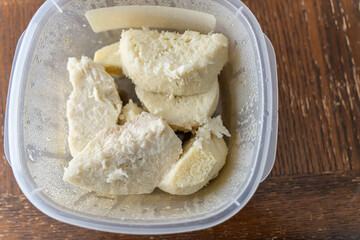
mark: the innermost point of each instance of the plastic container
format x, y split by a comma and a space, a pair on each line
35, 133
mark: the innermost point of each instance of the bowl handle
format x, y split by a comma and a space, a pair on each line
6, 129
274, 121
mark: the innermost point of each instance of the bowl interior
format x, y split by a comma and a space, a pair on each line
45, 130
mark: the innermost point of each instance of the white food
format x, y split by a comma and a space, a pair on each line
203, 157
94, 103
113, 18
128, 159
129, 112
173, 63
182, 112
109, 57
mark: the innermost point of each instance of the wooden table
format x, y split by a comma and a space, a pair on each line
313, 190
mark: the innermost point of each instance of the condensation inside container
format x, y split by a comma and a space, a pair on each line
68, 34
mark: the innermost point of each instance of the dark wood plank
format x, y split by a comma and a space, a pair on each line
318, 206
318, 54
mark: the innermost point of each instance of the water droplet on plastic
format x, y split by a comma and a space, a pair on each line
266, 113
243, 42
266, 79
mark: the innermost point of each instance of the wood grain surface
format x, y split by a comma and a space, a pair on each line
313, 190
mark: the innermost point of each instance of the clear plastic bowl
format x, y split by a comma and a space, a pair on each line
35, 130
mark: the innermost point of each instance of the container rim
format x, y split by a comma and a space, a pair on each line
14, 125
